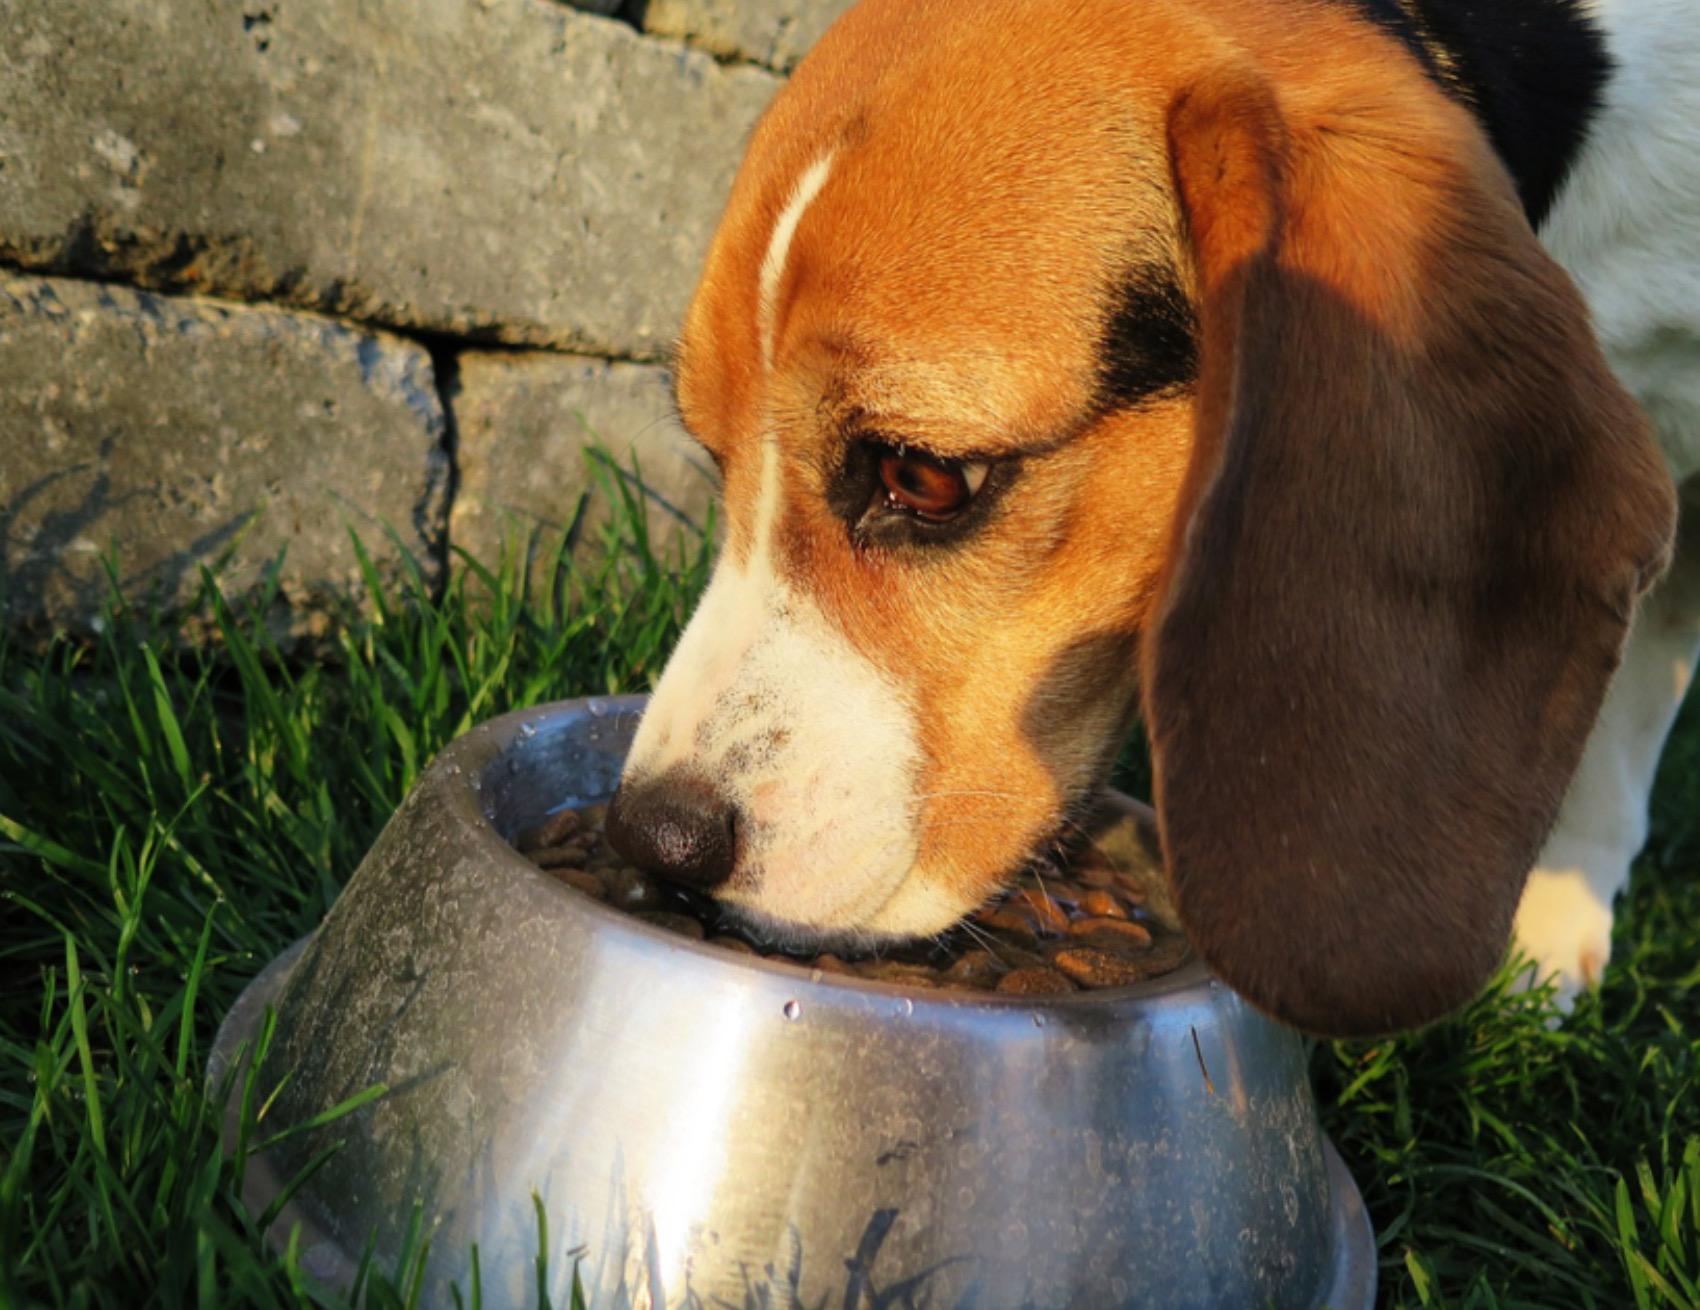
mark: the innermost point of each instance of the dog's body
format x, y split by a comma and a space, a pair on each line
1626, 227
1198, 352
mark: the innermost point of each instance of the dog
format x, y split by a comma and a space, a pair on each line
1071, 360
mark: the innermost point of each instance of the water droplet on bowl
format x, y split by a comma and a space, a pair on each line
1039, 1018
598, 707
904, 1008
526, 732
793, 1009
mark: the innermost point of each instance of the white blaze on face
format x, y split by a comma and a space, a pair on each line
769, 702
779, 248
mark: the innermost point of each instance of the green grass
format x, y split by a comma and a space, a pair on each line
170, 820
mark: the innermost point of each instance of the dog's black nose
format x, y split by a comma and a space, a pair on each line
675, 826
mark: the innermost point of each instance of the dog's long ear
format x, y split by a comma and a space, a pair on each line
1418, 519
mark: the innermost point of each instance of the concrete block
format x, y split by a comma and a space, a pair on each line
524, 425
509, 170
182, 433
776, 33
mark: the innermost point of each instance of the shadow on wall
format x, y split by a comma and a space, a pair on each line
66, 562
46, 560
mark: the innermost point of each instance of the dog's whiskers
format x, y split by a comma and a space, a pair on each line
988, 795
965, 820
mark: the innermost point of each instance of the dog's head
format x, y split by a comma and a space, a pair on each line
1063, 360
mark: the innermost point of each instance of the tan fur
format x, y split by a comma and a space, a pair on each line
997, 166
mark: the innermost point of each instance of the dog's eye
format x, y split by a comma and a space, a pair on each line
933, 489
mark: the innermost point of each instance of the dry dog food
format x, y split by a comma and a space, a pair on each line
1099, 920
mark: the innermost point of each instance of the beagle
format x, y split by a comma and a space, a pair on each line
1070, 360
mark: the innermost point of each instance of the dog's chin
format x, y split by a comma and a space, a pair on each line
788, 937
917, 909
923, 904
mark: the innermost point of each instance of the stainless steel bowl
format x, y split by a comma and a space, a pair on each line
707, 1129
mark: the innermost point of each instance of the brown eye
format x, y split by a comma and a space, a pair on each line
936, 490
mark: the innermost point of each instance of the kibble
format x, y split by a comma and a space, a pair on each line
900, 971
1099, 904
629, 888
553, 832
570, 856
1091, 967
979, 970
1034, 982
578, 879
1046, 914
1086, 924
686, 925
1111, 929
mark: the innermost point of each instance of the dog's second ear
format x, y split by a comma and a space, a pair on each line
1419, 515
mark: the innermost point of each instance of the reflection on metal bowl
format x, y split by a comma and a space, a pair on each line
704, 1128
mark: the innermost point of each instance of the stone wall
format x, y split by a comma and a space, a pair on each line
275, 269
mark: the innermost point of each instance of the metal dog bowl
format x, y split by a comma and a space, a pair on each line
709, 1129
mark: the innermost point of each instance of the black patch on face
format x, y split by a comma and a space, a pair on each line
1531, 71
850, 488
1150, 343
